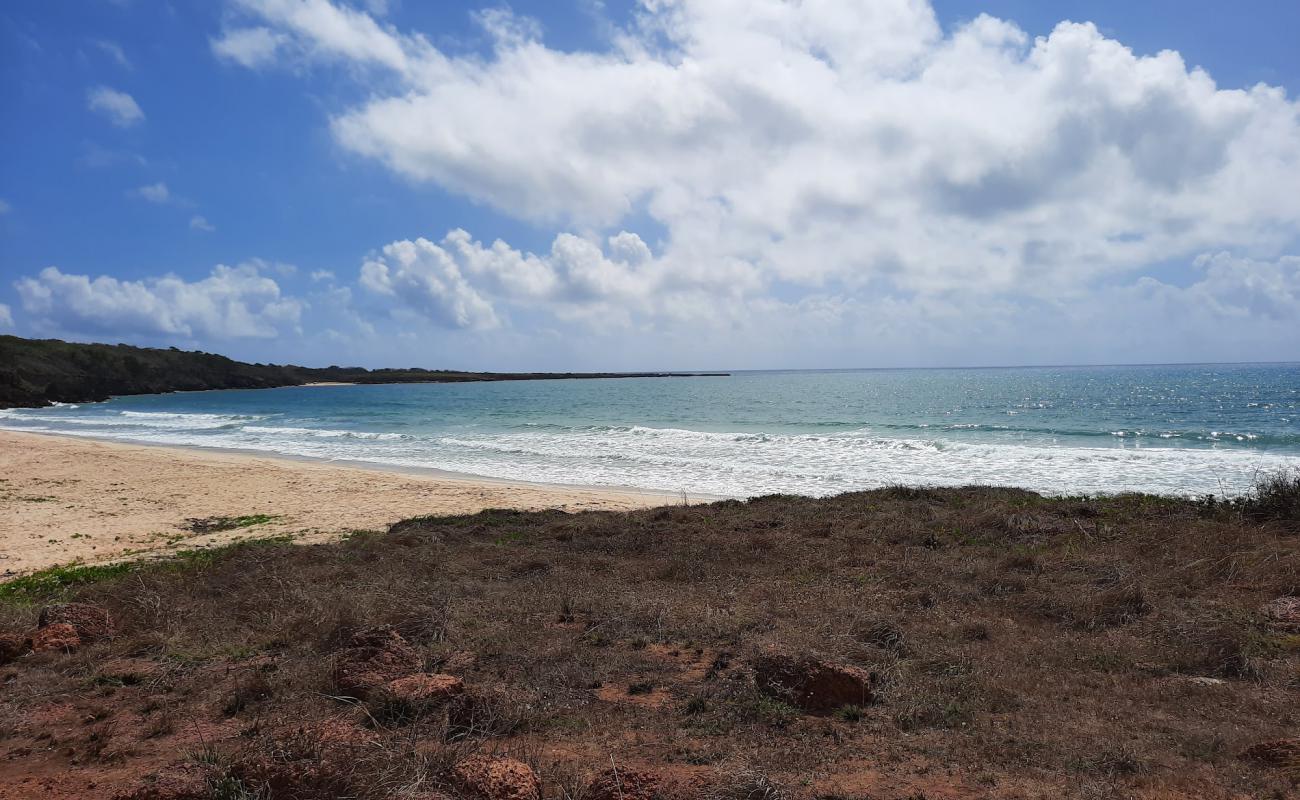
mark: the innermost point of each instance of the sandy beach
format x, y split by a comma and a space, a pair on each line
67, 500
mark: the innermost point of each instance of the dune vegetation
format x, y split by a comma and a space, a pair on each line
899, 643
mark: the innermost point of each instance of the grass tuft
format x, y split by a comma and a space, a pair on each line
1275, 498
55, 582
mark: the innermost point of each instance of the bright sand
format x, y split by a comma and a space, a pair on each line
66, 500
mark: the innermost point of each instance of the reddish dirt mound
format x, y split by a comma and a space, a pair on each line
57, 637
12, 646
497, 778
813, 684
423, 690
373, 658
90, 622
626, 784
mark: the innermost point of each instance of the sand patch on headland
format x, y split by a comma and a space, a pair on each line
66, 500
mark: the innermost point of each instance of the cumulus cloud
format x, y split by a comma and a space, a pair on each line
232, 302
425, 277
833, 138
459, 281
805, 151
198, 222
119, 108
6, 316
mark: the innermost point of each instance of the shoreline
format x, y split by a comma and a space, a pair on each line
81, 500
433, 473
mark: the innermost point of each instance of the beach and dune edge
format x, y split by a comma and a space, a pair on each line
66, 500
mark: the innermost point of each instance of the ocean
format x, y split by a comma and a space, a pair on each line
1187, 430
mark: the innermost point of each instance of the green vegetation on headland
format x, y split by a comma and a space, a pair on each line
38, 372
897, 643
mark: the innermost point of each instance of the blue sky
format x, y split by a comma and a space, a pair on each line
696, 184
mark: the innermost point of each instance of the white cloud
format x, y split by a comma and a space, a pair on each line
833, 140
319, 30
6, 316
232, 302
119, 107
459, 282
154, 193
98, 157
278, 267
115, 52
249, 47
200, 223
321, 275
5, 208
1232, 292
424, 277
820, 166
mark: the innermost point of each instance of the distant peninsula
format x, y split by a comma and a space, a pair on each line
41, 372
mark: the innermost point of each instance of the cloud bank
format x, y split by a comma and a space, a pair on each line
232, 302
845, 175
832, 139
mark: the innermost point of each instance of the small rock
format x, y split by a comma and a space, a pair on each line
625, 784
373, 658
57, 637
497, 778
1284, 612
813, 684
423, 690
12, 646
1198, 680
91, 622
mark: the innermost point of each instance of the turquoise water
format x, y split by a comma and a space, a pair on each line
1173, 429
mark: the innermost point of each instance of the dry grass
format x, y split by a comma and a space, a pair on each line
1022, 646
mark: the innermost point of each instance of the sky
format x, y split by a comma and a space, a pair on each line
663, 184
